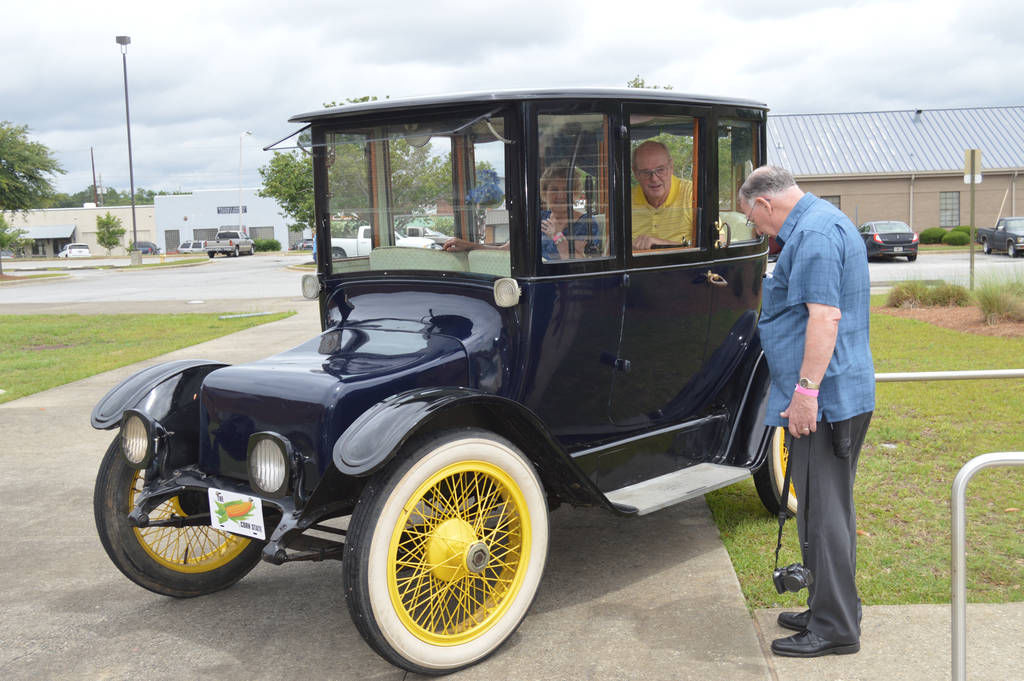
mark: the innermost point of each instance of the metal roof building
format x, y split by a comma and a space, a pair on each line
905, 165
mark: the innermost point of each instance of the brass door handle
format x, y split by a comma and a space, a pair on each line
716, 279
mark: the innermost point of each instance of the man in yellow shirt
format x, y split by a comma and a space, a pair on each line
662, 202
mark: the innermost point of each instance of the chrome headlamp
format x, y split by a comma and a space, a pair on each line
138, 438
269, 457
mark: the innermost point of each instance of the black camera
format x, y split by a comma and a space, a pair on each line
792, 578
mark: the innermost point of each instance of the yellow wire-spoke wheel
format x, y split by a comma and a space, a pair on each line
184, 549
780, 459
445, 550
458, 552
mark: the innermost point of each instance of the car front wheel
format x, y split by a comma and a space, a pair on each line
985, 247
769, 477
445, 551
173, 561
1011, 250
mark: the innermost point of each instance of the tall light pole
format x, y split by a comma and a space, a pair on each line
124, 41
240, 138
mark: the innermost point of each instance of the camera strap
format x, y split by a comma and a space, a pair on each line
784, 499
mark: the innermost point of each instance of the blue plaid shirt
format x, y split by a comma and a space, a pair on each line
823, 260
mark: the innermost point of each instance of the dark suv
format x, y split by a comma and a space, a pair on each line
456, 394
147, 248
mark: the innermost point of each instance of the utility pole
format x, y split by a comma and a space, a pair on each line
92, 158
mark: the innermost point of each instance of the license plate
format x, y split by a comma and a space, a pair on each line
236, 513
897, 249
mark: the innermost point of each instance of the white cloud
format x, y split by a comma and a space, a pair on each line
200, 73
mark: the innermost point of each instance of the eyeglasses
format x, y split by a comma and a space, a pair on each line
660, 171
751, 225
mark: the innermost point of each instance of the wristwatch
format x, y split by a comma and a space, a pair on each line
808, 383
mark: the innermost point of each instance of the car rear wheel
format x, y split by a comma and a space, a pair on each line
445, 551
173, 561
769, 477
211, 254
985, 247
337, 253
912, 258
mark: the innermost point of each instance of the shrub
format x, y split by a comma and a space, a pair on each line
907, 294
916, 293
262, 245
932, 235
945, 295
966, 229
1000, 300
954, 238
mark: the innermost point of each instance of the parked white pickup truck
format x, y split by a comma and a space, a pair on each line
230, 242
350, 247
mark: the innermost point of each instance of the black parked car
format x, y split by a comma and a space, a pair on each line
147, 248
454, 396
890, 238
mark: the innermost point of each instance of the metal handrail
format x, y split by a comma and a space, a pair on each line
959, 558
948, 375
958, 583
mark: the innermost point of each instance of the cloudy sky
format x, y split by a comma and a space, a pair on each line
202, 73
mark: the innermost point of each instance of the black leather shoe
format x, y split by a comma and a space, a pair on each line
809, 644
797, 621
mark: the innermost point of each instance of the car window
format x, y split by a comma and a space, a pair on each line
573, 186
663, 160
737, 158
446, 173
892, 227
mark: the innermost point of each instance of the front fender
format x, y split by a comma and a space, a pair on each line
168, 393
140, 390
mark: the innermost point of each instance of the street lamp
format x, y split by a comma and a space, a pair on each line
124, 41
240, 138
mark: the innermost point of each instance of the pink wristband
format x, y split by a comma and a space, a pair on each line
805, 391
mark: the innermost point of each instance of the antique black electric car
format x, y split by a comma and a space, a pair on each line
544, 353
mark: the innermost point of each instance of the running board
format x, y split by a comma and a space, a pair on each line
657, 493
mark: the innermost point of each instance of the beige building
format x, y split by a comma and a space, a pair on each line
50, 229
906, 165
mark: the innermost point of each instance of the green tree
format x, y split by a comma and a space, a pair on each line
110, 197
288, 179
10, 239
25, 169
109, 231
639, 82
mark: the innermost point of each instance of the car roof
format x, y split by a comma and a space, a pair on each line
508, 96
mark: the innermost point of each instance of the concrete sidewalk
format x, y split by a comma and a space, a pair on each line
622, 598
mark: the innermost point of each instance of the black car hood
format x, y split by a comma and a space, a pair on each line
311, 393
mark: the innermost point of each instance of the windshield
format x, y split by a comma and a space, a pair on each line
1015, 225
419, 194
891, 227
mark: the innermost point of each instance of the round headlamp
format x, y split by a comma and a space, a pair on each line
506, 292
136, 438
269, 459
310, 286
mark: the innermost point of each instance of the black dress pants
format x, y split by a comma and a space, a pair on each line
827, 525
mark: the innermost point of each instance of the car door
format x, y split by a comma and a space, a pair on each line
667, 294
575, 301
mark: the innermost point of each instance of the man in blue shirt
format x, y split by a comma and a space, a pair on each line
814, 331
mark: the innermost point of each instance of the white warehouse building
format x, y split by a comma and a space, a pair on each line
202, 213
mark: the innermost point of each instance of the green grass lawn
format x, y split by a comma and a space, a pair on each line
44, 351
920, 436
